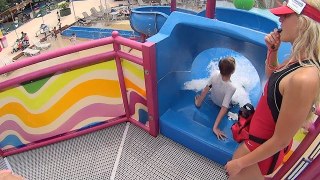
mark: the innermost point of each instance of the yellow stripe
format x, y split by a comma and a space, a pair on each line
89, 88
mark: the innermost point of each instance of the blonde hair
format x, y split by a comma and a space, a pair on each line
307, 44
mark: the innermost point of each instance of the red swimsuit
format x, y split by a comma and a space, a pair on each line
263, 122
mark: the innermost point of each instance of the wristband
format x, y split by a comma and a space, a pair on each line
271, 66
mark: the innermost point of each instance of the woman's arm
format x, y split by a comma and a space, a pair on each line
273, 43
271, 62
298, 97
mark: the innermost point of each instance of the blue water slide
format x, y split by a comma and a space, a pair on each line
258, 19
148, 20
185, 45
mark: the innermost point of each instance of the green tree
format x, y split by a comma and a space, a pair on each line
13, 2
6, 4
3, 5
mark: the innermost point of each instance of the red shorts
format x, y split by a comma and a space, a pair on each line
269, 165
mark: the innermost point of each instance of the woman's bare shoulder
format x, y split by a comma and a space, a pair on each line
305, 76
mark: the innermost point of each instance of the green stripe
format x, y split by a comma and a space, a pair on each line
34, 85
299, 136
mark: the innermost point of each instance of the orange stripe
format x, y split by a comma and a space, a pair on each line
287, 156
93, 87
130, 84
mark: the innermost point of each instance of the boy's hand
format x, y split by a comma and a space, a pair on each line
220, 134
197, 101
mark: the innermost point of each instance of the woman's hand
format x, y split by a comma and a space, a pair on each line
273, 40
233, 167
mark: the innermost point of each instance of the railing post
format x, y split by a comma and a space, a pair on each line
173, 5
123, 88
1, 153
149, 64
210, 9
312, 171
301, 149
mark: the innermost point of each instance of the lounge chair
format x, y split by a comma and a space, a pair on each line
31, 52
132, 3
108, 8
164, 3
83, 21
96, 14
202, 3
5, 61
87, 17
114, 15
42, 46
106, 11
124, 13
141, 3
44, 29
102, 9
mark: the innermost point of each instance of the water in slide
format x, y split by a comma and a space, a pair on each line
187, 49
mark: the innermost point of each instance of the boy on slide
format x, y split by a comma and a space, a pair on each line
222, 91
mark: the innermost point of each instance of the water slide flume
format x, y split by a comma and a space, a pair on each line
148, 20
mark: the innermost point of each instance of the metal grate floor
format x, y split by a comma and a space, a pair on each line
121, 152
2, 164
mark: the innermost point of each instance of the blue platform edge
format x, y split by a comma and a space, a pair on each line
179, 41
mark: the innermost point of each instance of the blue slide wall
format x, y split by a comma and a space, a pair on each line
180, 41
264, 22
148, 20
